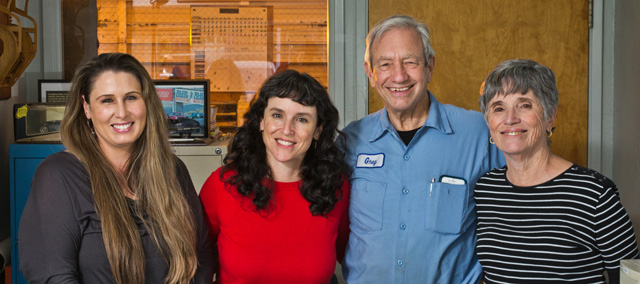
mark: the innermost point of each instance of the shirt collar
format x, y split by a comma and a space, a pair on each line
437, 119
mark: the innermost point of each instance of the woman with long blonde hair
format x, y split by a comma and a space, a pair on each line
117, 206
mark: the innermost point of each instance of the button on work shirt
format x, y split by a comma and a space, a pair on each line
412, 210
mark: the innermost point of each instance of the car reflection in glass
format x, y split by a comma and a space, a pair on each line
183, 126
176, 115
50, 126
197, 114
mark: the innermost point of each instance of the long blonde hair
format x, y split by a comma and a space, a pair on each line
150, 173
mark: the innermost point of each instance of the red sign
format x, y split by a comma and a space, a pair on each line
165, 94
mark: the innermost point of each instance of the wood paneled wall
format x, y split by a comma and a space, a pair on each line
5, 92
470, 37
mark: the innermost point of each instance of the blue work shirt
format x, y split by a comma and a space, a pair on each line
412, 210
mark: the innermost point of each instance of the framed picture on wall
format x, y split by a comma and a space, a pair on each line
53, 91
186, 106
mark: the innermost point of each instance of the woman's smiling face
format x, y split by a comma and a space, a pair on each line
117, 109
517, 123
288, 131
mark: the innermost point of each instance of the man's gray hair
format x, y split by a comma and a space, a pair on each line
402, 22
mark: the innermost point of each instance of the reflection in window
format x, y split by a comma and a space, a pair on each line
235, 46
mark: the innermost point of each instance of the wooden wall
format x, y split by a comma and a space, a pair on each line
470, 37
5, 92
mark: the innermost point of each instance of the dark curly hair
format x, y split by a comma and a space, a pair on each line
323, 169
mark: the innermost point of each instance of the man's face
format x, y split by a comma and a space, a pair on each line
400, 72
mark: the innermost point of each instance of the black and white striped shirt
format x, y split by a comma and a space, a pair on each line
568, 229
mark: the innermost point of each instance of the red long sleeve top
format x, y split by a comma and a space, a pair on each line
286, 245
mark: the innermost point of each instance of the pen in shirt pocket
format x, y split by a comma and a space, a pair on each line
431, 186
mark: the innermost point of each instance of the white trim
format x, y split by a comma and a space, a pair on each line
348, 27
594, 151
51, 43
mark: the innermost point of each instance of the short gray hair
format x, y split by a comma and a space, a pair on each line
402, 22
520, 76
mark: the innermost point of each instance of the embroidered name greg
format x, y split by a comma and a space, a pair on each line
370, 161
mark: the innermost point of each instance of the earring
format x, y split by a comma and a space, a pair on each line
491, 140
93, 132
549, 133
315, 144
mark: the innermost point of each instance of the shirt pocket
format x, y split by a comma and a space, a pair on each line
446, 207
366, 206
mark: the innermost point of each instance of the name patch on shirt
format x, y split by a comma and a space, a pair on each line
370, 161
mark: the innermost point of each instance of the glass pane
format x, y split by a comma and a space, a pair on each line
235, 46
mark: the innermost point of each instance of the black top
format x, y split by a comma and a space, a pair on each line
406, 136
60, 237
571, 228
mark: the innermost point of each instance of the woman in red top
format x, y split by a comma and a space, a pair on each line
277, 209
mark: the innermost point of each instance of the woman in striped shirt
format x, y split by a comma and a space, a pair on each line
542, 218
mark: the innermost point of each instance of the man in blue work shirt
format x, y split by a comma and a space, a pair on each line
415, 165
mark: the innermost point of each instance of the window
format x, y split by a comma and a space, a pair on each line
236, 45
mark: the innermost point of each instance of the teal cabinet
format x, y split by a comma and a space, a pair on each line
23, 161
